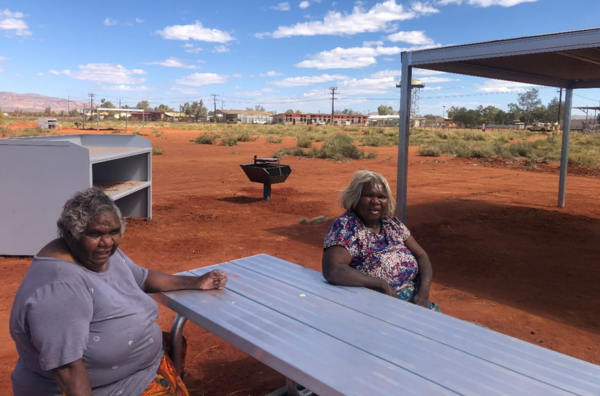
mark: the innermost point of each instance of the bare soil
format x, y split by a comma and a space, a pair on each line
503, 254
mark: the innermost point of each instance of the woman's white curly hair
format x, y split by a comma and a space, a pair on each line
351, 194
81, 208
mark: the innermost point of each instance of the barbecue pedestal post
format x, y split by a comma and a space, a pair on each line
267, 191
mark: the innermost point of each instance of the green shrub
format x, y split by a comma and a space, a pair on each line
157, 151
244, 136
375, 141
371, 155
291, 151
27, 132
206, 138
584, 159
229, 141
304, 140
430, 150
340, 147
274, 139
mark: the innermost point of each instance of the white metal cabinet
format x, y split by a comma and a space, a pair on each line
38, 175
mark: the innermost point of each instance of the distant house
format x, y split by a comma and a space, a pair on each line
393, 120
245, 116
149, 115
319, 118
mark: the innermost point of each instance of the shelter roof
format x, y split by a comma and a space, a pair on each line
588, 108
549, 59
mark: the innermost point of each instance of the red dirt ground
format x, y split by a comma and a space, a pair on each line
503, 254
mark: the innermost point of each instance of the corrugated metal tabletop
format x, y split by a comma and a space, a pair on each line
353, 341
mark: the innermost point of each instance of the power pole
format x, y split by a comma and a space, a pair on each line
215, 103
91, 95
333, 89
222, 104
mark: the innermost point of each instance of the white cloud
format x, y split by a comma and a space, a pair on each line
387, 73
191, 49
13, 22
502, 86
433, 80
414, 37
123, 87
185, 90
3, 58
304, 4
200, 79
109, 22
378, 18
308, 80
281, 7
486, 3
347, 58
139, 20
372, 43
221, 49
367, 86
194, 32
389, 59
173, 62
439, 87
271, 74
41, 74
104, 73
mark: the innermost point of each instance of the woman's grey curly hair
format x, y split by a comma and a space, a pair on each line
351, 194
81, 208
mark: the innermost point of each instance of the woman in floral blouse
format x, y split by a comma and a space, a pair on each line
367, 246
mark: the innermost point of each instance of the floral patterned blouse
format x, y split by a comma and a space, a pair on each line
382, 255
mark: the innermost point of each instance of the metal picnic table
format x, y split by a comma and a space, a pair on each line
337, 340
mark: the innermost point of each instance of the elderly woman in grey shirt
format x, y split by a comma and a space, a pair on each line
81, 319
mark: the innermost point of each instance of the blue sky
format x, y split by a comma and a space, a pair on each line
276, 54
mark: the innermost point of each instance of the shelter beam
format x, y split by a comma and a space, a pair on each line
403, 136
564, 156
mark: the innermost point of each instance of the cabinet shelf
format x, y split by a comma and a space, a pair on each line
38, 175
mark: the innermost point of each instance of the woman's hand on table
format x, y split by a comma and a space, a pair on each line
386, 288
421, 299
212, 280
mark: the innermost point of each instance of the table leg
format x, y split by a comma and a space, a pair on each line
291, 389
176, 341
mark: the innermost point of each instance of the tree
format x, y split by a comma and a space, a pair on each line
74, 113
107, 104
298, 111
259, 108
529, 102
385, 110
144, 104
48, 110
289, 111
163, 107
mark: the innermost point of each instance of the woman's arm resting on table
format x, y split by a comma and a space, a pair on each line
73, 379
157, 281
337, 271
425, 271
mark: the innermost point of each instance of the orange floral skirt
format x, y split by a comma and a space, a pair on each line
167, 381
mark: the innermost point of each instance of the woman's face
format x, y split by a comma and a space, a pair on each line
372, 204
98, 242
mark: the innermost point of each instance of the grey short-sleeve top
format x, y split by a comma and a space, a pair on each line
63, 312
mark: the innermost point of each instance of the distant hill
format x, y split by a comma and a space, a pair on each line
33, 102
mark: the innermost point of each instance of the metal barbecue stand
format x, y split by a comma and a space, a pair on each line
266, 171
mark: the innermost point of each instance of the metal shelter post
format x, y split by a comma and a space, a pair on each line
143, 116
97, 120
564, 156
403, 132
